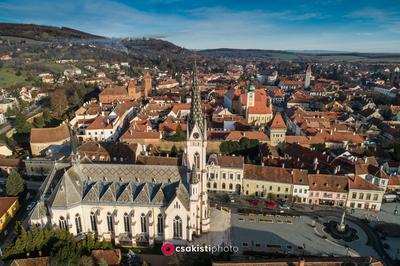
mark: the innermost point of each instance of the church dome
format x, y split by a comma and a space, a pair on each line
251, 88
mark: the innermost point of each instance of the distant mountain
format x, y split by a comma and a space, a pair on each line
259, 54
43, 33
302, 55
318, 52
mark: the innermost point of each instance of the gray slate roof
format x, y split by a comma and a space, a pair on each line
118, 184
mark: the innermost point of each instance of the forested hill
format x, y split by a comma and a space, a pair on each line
43, 33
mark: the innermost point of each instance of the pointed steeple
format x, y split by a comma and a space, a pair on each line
196, 114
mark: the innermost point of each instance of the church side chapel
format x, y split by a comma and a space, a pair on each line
132, 204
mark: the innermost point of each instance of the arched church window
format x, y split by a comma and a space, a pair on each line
127, 223
93, 222
143, 223
63, 223
177, 227
78, 224
160, 224
110, 223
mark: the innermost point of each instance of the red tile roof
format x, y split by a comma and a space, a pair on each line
358, 182
333, 183
227, 161
48, 135
268, 173
238, 135
278, 122
179, 107
6, 203
261, 100
100, 123
394, 181
171, 127
141, 135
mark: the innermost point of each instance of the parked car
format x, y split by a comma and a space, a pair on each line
30, 206
284, 207
389, 197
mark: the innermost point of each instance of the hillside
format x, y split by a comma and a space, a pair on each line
320, 56
42, 33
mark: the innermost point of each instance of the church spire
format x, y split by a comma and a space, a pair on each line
196, 114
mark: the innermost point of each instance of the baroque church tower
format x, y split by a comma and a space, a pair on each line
196, 146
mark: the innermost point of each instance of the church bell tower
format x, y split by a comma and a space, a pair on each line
196, 148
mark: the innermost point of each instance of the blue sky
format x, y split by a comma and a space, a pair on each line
344, 25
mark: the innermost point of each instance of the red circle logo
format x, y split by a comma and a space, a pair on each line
167, 249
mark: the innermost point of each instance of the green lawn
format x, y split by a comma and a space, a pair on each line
9, 78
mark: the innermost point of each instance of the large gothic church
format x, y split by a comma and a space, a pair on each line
132, 204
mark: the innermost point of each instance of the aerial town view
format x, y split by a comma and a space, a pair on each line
215, 133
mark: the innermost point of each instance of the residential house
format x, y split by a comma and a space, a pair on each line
225, 173
372, 173
267, 182
364, 195
7, 165
301, 187
8, 208
110, 152
43, 138
328, 190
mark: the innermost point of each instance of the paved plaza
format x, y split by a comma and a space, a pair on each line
220, 229
287, 234
293, 235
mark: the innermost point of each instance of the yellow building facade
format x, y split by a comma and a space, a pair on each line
267, 182
8, 208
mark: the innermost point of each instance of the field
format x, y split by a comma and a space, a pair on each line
8, 78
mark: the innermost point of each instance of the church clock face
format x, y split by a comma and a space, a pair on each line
196, 135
